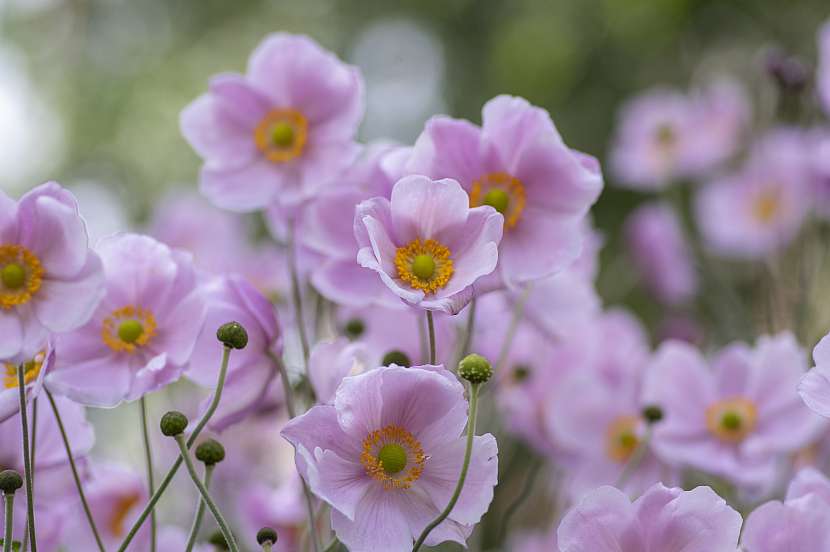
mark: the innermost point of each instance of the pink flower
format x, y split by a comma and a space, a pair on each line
278, 132
50, 281
282, 508
518, 163
738, 418
427, 244
35, 369
331, 361
142, 334
823, 77
814, 387
661, 253
386, 455
661, 520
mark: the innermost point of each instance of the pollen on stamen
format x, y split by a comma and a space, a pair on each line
281, 135
393, 456
425, 265
128, 328
21, 275
503, 192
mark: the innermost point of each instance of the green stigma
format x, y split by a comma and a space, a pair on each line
282, 134
497, 199
392, 458
129, 331
521, 372
731, 421
665, 135
423, 266
13, 276
628, 440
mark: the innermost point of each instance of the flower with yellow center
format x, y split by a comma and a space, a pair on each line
128, 328
424, 265
120, 512
621, 438
281, 135
731, 420
21, 275
393, 456
766, 206
503, 193
31, 370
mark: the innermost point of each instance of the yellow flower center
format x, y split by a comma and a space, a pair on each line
766, 207
621, 438
31, 370
120, 512
21, 275
424, 265
731, 420
503, 193
281, 135
128, 328
393, 456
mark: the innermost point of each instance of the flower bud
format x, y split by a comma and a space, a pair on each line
217, 539
173, 423
354, 328
210, 452
232, 335
10, 481
266, 534
475, 368
652, 413
396, 357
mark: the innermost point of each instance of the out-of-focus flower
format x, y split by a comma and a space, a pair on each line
174, 539
143, 332
664, 135
661, 253
50, 281
281, 508
331, 361
518, 164
387, 454
281, 130
814, 387
823, 77
662, 519
736, 419
819, 154
250, 370
801, 522
327, 227
533, 541
427, 244
56, 499
35, 369
760, 208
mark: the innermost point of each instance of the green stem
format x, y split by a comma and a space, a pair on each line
25, 545
27, 458
267, 546
518, 313
431, 327
74, 468
514, 506
468, 332
468, 452
200, 510
7, 533
333, 545
297, 295
148, 453
635, 460
214, 404
206, 498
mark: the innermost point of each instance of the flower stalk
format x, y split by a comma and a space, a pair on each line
150, 479
27, 458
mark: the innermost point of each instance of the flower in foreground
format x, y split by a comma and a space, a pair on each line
142, 334
387, 454
427, 244
35, 368
50, 281
517, 163
661, 520
277, 132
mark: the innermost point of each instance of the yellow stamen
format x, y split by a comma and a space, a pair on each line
503, 192
766, 207
424, 265
21, 275
31, 370
400, 450
621, 438
120, 513
128, 328
281, 135
731, 420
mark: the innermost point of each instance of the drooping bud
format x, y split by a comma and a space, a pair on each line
232, 335
173, 423
475, 368
210, 452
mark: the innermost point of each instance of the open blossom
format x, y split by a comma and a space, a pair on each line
814, 387
427, 244
517, 163
760, 208
736, 419
250, 370
50, 281
279, 131
661, 253
143, 332
661, 520
331, 361
35, 368
387, 454
665, 135
823, 77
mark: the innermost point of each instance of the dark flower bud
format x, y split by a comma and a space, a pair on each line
10, 481
217, 539
652, 413
266, 534
475, 368
173, 423
210, 452
354, 328
232, 335
396, 357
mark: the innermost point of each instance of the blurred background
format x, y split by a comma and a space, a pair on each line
91, 90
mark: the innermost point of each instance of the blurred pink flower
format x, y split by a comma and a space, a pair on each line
281, 508
35, 369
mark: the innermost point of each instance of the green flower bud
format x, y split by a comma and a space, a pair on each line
354, 328
10, 481
475, 369
173, 423
652, 413
232, 335
210, 452
396, 357
217, 539
266, 534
